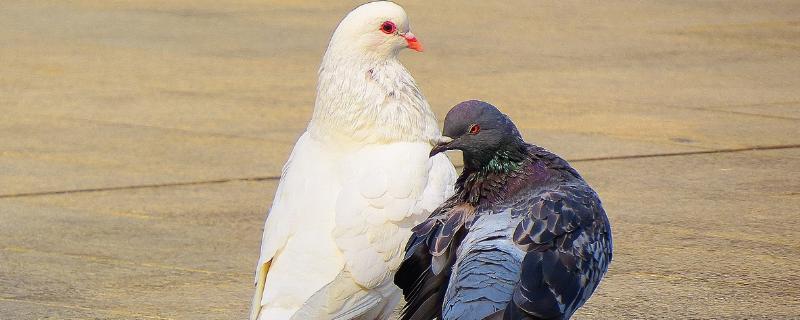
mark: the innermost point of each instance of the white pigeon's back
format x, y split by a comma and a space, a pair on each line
357, 181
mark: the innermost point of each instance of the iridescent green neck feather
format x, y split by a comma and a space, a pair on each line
503, 161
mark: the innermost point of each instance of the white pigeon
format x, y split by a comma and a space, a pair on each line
357, 180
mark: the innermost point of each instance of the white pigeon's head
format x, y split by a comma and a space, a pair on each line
378, 29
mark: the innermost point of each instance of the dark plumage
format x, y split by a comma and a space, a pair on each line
524, 236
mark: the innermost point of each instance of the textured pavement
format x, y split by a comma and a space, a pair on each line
141, 142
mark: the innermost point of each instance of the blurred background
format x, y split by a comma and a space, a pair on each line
141, 142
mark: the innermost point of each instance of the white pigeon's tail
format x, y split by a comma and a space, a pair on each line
344, 299
261, 281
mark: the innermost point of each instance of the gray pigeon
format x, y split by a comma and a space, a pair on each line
524, 236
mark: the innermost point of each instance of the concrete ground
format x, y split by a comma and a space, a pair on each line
141, 142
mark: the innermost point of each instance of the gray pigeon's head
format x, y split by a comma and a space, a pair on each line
479, 130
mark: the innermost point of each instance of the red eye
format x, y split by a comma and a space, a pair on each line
474, 129
388, 27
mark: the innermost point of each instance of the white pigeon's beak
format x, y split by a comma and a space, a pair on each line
413, 43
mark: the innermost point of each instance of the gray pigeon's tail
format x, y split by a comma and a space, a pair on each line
487, 270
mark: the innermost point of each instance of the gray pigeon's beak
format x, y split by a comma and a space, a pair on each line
440, 144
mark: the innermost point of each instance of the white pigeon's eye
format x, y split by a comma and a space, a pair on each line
388, 27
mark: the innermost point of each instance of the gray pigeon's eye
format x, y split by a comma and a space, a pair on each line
474, 129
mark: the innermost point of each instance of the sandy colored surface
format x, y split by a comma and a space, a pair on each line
140, 142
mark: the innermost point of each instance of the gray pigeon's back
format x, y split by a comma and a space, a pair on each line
486, 271
537, 252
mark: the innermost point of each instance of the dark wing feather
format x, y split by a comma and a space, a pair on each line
568, 241
426, 268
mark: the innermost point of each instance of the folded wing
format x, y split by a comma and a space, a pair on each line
568, 241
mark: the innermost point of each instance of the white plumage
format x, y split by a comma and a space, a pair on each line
357, 180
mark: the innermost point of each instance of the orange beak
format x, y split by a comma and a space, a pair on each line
413, 43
